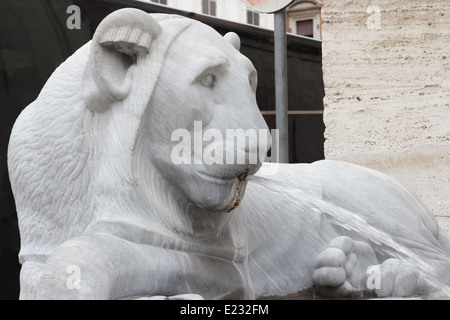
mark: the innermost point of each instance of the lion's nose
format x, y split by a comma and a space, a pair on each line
259, 147
264, 144
251, 147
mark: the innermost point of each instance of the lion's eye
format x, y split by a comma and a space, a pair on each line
207, 80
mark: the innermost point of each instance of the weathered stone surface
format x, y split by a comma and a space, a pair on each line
387, 81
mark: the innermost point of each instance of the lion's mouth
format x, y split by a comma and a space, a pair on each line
215, 179
222, 177
238, 183
240, 190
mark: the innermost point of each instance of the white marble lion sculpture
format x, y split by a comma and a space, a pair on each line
106, 213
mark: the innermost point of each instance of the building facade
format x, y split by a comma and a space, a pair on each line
303, 16
232, 10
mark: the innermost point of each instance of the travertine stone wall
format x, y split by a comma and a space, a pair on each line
386, 67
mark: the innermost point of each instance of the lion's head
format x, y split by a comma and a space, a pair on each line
98, 145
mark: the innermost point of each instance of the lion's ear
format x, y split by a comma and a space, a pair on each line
119, 41
234, 39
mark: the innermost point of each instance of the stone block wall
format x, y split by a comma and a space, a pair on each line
386, 67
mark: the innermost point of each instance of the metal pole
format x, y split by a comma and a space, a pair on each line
281, 85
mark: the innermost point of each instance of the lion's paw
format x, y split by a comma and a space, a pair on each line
340, 269
397, 278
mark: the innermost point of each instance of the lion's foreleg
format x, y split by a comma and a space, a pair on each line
98, 267
107, 267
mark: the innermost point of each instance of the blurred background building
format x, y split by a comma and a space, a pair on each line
232, 10
303, 15
304, 18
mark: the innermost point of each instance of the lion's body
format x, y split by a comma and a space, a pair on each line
291, 220
95, 188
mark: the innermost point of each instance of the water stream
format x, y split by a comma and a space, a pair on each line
382, 242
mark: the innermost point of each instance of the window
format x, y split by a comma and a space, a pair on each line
252, 17
305, 28
160, 1
209, 7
